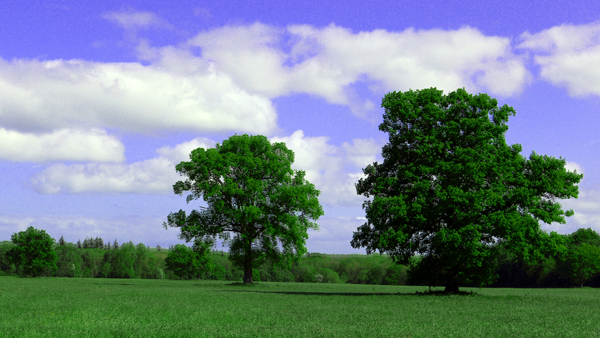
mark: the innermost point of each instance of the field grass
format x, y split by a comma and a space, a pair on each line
77, 307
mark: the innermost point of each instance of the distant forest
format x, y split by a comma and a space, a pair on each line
95, 258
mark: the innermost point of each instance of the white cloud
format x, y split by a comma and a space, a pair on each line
587, 212
147, 230
334, 235
153, 176
48, 95
362, 152
573, 58
181, 152
326, 165
131, 20
241, 68
572, 166
335, 57
61, 145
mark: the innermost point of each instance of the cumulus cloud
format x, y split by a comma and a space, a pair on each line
334, 170
48, 95
153, 176
573, 56
362, 152
61, 145
325, 165
329, 59
229, 87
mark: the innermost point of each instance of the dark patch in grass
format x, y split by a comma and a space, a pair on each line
103, 284
442, 293
329, 293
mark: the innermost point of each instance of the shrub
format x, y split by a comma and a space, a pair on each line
329, 276
375, 274
281, 275
255, 275
218, 273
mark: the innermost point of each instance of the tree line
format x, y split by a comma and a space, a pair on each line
579, 265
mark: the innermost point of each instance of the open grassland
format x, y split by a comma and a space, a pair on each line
78, 307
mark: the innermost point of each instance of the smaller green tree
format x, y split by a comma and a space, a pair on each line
581, 263
582, 235
142, 268
186, 263
5, 263
99, 243
33, 251
61, 241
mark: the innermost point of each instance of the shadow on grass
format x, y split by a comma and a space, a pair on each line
416, 293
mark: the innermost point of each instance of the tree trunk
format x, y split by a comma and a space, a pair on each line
248, 266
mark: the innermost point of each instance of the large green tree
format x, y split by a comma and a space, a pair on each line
34, 251
256, 203
450, 188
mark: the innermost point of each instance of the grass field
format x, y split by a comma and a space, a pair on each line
77, 307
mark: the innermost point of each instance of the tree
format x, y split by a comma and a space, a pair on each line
33, 250
61, 241
255, 201
79, 243
5, 262
450, 188
120, 262
582, 235
99, 243
582, 263
184, 262
116, 245
158, 248
69, 261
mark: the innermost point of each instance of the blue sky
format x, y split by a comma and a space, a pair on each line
100, 100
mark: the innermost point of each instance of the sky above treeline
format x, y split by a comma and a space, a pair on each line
99, 100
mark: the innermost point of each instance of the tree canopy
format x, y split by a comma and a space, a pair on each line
450, 188
256, 203
33, 250
581, 263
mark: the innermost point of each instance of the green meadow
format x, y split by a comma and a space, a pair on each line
97, 307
